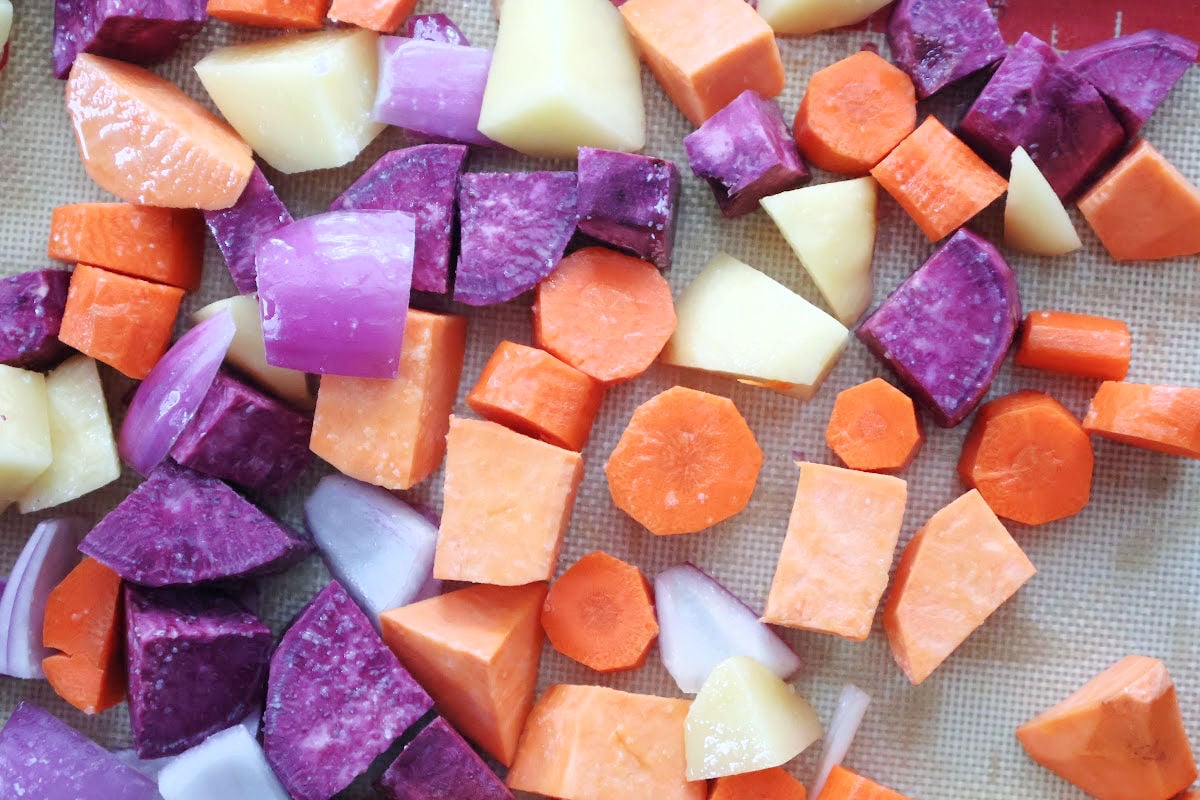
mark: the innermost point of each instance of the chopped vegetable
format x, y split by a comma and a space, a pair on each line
630, 202
6, 21
812, 16
477, 652
26, 448
958, 569
431, 88
31, 313
846, 785
239, 228
1120, 737
229, 764
438, 764
847, 717
434, 28
140, 31
1162, 418
1035, 220
293, 14
1075, 344
376, 15
940, 42
766, 784
874, 427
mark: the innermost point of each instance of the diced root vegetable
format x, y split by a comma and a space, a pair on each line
375, 15
290, 14
630, 202
31, 314
239, 228
812, 16
1162, 418
26, 448
874, 427
846, 785
438, 762
940, 42
434, 28
1075, 344
432, 88
1035, 220
138, 31
766, 784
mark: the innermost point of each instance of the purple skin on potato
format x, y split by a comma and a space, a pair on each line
938, 42
238, 229
31, 311
337, 698
439, 764
434, 28
181, 527
746, 153
197, 665
629, 201
432, 88
138, 31
42, 758
1036, 101
1135, 73
515, 228
946, 330
423, 181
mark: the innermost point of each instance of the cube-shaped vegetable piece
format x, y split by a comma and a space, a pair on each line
307, 15
736, 321
181, 527
41, 757
1036, 101
432, 88
423, 181
336, 700
775, 783
393, 433
26, 449
958, 569
303, 101
437, 764
515, 228
705, 52
874, 427
239, 228
745, 153
946, 329
629, 201
375, 15
31, 313
939, 42
226, 765
84, 621
494, 530
140, 31
1035, 219
197, 665
334, 289
434, 28
812, 16
831, 229
843, 782
84, 453
1162, 418
563, 75
568, 749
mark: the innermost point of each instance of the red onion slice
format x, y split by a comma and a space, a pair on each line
851, 707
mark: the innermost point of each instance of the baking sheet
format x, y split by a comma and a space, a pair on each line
1119, 578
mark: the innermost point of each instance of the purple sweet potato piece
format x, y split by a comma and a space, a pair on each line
181, 527
337, 698
138, 31
197, 665
938, 42
1136, 72
629, 201
432, 88
1037, 102
239, 228
31, 311
439, 765
946, 330
434, 28
42, 758
245, 437
745, 153
423, 181
515, 228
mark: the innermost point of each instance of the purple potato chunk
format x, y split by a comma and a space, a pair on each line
439, 765
745, 152
432, 88
423, 181
197, 665
138, 31
239, 228
181, 527
629, 201
1036, 101
939, 42
337, 698
515, 228
42, 758
946, 330
31, 312
1135, 73
434, 28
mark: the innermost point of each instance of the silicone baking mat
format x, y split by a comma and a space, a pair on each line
1119, 578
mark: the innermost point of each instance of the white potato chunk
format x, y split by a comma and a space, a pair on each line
811, 16
1035, 220
248, 352
225, 766
736, 321
81, 438
25, 449
831, 228
565, 73
745, 719
6, 16
303, 102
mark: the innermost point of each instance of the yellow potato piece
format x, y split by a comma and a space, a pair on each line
25, 449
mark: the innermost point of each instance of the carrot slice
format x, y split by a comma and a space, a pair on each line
1162, 418
687, 461
1075, 344
854, 113
305, 15
599, 613
384, 16
766, 784
607, 314
874, 427
843, 784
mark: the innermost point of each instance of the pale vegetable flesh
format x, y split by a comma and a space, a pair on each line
1035, 220
25, 448
811, 16
6, 18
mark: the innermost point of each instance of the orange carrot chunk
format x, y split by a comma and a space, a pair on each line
1029, 457
305, 15
1162, 418
384, 16
534, 393
1075, 344
766, 784
607, 314
938, 180
1144, 208
121, 321
599, 613
1120, 737
874, 427
843, 784
687, 461
162, 245
854, 113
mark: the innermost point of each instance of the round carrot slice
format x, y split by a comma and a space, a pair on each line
874, 427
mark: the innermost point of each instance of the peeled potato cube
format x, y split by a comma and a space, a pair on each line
25, 450
1035, 220
811, 16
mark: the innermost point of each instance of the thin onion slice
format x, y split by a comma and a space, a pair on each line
851, 707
